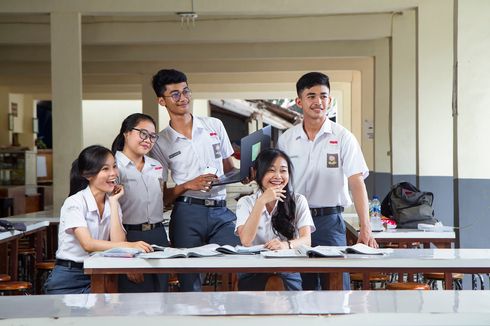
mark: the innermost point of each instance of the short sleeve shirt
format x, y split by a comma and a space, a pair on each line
322, 166
142, 201
265, 231
80, 210
188, 158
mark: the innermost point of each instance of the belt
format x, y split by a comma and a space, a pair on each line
204, 202
143, 226
69, 263
320, 211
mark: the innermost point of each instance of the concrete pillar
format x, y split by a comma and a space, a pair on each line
473, 116
404, 98
435, 91
5, 134
66, 81
150, 102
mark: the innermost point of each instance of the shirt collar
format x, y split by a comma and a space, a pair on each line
325, 129
120, 156
92, 205
89, 199
196, 124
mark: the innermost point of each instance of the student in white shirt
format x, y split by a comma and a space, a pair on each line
142, 202
274, 216
328, 163
90, 220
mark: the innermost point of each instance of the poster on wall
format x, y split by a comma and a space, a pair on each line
13, 109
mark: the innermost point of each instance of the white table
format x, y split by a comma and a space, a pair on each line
9, 245
400, 236
103, 270
249, 308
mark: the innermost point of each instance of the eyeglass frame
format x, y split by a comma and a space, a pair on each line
187, 92
143, 132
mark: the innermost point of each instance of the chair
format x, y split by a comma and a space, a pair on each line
6, 206
432, 279
374, 279
407, 286
14, 288
274, 283
43, 269
4, 277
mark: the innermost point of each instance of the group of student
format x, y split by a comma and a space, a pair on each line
117, 197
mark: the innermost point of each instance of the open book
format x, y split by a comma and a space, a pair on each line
325, 251
208, 250
241, 250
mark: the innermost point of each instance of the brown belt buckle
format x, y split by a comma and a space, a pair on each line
146, 227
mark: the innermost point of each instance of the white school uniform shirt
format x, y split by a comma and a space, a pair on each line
265, 231
321, 167
188, 158
142, 201
80, 210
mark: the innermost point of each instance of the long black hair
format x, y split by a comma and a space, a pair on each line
89, 163
285, 215
127, 125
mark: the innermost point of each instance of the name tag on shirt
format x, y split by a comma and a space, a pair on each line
217, 150
332, 160
174, 154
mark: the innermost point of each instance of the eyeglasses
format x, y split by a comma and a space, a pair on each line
176, 94
145, 134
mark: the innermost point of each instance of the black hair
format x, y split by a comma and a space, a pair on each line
283, 220
89, 163
166, 77
127, 125
311, 79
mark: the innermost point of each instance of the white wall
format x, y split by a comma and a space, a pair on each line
102, 119
473, 89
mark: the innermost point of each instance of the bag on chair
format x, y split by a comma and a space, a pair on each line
408, 206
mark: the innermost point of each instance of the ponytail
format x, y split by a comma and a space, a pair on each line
127, 125
118, 143
77, 181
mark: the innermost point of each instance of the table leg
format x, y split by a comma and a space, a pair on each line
14, 260
104, 283
4, 261
334, 281
448, 281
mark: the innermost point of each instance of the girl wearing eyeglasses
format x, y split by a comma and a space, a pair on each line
142, 203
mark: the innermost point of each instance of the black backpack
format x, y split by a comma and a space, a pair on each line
408, 206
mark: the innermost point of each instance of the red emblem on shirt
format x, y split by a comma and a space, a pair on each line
158, 167
334, 142
212, 134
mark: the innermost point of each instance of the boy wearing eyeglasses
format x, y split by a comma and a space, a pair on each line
196, 150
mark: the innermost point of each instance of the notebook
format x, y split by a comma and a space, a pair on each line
250, 146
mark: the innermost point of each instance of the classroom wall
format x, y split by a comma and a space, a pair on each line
102, 119
473, 116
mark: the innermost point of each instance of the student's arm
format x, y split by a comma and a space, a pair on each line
359, 194
117, 234
90, 244
202, 182
248, 231
228, 164
303, 239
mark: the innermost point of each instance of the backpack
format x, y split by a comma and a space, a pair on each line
408, 206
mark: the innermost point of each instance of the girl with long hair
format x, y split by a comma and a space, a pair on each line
274, 216
142, 202
90, 220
